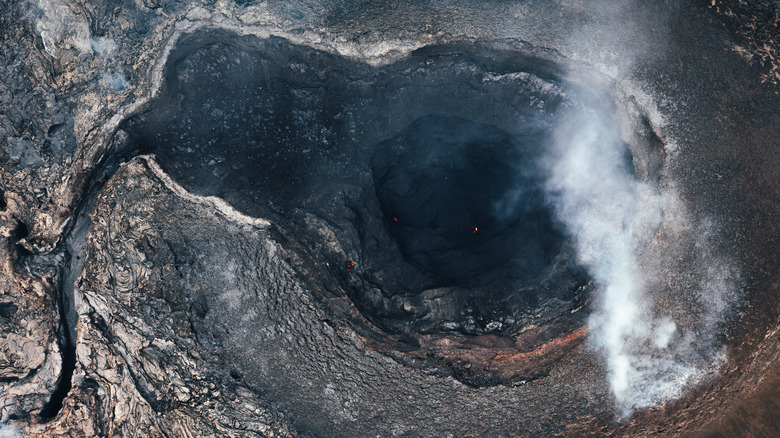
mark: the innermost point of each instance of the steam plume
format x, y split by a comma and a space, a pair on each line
10, 431
615, 220
58, 25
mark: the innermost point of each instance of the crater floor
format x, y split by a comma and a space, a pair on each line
440, 221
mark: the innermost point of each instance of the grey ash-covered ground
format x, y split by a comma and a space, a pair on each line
289, 260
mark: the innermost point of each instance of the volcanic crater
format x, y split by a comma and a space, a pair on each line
410, 190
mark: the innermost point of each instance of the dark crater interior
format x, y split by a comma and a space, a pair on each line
411, 187
461, 200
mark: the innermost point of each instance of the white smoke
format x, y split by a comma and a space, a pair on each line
59, 26
10, 431
617, 223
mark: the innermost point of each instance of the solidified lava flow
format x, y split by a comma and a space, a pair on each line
468, 218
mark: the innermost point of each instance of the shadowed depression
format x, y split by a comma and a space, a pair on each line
442, 217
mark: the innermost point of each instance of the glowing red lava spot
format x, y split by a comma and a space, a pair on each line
350, 265
395, 219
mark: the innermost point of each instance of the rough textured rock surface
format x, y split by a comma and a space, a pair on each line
132, 305
151, 346
30, 353
179, 335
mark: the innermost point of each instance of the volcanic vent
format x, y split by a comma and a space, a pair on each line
413, 189
464, 204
